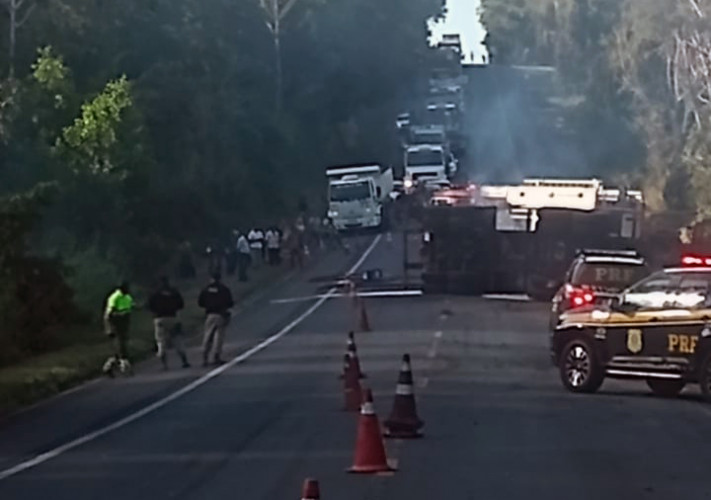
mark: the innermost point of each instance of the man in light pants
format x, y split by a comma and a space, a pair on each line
165, 303
217, 300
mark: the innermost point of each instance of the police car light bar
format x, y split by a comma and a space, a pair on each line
693, 260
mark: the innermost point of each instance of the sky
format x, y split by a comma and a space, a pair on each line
462, 18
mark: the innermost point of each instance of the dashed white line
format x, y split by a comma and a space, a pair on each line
92, 436
431, 354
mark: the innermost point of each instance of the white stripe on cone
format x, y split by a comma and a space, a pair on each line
403, 390
367, 408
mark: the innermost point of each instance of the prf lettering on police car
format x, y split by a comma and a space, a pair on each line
682, 343
613, 274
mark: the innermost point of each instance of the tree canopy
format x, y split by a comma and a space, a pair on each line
641, 66
161, 121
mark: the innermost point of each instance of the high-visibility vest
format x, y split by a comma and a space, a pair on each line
119, 303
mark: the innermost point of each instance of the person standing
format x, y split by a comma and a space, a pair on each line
214, 259
256, 243
273, 241
117, 319
216, 300
244, 254
186, 268
165, 303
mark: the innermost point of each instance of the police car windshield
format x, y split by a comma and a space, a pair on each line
667, 290
615, 275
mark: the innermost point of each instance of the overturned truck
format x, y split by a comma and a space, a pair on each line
521, 238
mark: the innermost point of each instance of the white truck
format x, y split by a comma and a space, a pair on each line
357, 195
428, 134
428, 164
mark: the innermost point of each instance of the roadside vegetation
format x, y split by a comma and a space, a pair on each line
127, 128
641, 72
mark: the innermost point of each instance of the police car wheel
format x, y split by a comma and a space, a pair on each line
579, 369
665, 388
705, 378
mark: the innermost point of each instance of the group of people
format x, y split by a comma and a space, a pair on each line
165, 304
246, 250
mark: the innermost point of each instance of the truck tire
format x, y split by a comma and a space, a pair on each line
580, 371
665, 388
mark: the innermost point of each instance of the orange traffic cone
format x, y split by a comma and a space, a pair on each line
354, 362
351, 387
403, 421
351, 345
369, 455
311, 490
363, 320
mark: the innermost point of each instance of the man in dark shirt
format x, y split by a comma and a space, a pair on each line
216, 300
165, 303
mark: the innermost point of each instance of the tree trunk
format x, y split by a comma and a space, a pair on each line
12, 7
278, 97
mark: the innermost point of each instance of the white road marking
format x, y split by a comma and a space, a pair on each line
511, 297
92, 436
431, 354
380, 293
435, 344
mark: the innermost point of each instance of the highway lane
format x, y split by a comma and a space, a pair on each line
101, 402
498, 423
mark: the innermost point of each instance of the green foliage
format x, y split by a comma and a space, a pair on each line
639, 67
89, 143
51, 74
186, 145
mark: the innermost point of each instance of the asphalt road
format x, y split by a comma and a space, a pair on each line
498, 423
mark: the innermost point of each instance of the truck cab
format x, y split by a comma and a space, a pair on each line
427, 163
357, 195
428, 134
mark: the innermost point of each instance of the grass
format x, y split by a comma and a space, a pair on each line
48, 374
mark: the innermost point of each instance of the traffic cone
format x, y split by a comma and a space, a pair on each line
311, 490
403, 421
369, 455
352, 353
350, 344
352, 393
364, 321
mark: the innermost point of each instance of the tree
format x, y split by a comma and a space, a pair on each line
18, 11
276, 12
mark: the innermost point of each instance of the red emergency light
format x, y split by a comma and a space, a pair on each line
578, 297
695, 260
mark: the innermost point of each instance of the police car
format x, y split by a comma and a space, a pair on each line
657, 330
594, 277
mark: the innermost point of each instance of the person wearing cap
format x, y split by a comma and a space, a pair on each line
165, 303
216, 300
117, 319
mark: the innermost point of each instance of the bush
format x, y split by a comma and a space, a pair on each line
91, 274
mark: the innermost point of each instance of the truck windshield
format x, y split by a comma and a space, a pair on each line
424, 158
428, 138
350, 192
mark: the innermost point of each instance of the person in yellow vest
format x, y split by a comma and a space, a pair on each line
117, 319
